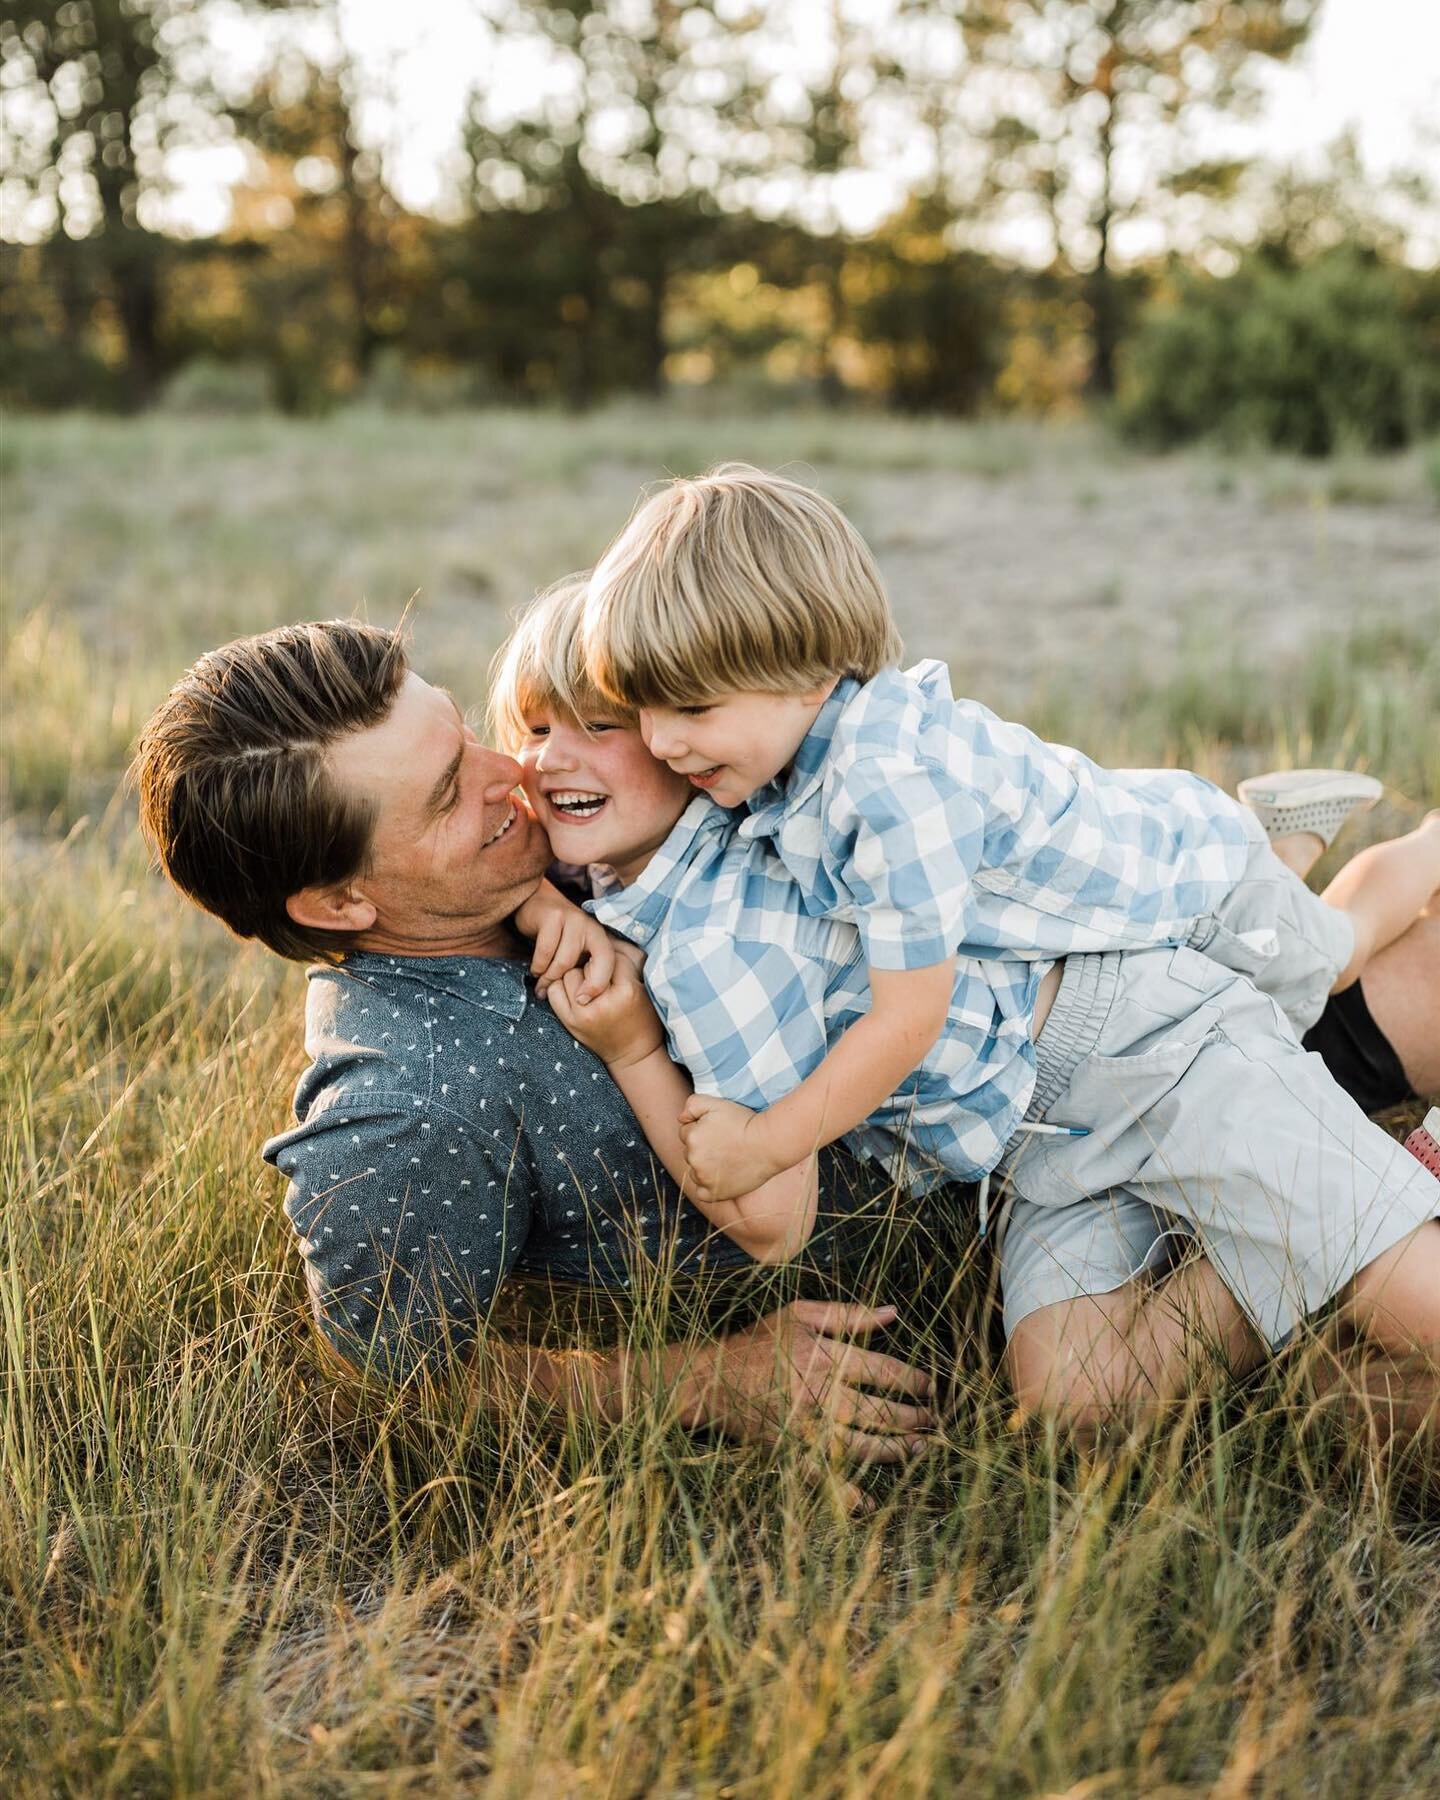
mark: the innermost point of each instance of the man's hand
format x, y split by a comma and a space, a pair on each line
795, 1373
620, 1025
726, 1149
564, 938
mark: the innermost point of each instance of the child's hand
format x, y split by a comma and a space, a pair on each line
620, 1025
725, 1148
564, 938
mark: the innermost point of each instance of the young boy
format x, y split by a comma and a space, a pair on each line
745, 620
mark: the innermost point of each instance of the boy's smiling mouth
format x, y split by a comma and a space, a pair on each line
704, 778
577, 804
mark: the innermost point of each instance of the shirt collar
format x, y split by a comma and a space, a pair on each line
638, 911
494, 983
772, 804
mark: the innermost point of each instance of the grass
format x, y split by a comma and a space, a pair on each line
212, 1580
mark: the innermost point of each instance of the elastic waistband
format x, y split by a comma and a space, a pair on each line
1082, 1005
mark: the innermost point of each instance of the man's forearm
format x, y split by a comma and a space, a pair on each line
516, 1378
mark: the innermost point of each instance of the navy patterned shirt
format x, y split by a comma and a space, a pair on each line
452, 1132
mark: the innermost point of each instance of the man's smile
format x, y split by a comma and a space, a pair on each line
495, 836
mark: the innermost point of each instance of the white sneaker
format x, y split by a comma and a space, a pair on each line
1315, 800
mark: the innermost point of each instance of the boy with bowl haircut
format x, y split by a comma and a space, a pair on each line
745, 620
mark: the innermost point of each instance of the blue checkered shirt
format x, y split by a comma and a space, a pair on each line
934, 826
753, 990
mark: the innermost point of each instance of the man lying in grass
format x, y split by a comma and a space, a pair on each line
312, 792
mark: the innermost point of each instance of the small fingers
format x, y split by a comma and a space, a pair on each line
547, 940
599, 969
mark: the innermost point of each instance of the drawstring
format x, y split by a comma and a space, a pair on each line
1039, 1128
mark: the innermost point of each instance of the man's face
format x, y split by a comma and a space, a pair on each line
454, 849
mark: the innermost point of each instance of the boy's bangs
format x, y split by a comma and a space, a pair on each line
639, 674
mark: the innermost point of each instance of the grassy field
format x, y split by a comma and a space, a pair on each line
213, 1582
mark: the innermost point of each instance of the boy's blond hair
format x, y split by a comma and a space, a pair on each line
541, 665
731, 581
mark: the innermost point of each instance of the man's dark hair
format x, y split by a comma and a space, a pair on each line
236, 795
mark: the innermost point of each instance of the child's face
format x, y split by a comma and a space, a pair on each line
599, 793
732, 745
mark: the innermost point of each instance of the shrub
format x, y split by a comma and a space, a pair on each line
208, 386
1329, 354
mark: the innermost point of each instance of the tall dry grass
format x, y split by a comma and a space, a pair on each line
215, 1580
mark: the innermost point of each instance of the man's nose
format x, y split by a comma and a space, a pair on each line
499, 773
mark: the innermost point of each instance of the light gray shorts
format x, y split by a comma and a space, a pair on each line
1209, 1126
1281, 934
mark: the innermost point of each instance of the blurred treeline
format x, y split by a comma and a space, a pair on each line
653, 193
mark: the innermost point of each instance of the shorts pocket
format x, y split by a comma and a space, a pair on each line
1201, 971
1125, 1102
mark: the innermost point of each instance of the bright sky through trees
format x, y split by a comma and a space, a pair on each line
1372, 67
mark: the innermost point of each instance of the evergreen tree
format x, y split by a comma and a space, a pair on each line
1098, 110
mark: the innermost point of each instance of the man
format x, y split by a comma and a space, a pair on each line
312, 792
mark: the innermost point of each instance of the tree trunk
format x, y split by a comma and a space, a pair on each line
832, 388
1104, 323
652, 344
137, 297
359, 258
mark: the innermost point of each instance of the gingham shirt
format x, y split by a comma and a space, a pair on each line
934, 827
753, 990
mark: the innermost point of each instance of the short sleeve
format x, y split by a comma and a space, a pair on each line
747, 1020
409, 1219
904, 839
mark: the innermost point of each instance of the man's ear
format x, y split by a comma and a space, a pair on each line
339, 908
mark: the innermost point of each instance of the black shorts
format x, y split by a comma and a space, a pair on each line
1357, 1052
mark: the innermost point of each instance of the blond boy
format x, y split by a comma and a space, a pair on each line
745, 620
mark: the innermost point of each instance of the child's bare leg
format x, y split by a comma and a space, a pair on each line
1299, 851
1402, 991
1383, 888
